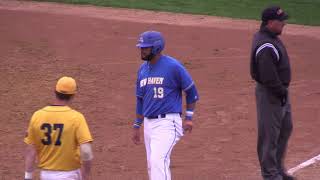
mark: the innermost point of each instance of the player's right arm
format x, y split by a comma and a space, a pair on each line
139, 112
138, 121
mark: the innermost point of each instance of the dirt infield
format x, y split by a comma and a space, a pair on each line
39, 42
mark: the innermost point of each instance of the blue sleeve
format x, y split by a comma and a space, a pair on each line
139, 92
185, 81
192, 95
139, 106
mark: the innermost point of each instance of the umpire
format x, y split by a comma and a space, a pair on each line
270, 68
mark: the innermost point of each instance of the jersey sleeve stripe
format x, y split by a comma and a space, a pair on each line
139, 96
188, 86
268, 45
85, 141
27, 141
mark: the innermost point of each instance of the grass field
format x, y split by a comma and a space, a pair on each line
301, 11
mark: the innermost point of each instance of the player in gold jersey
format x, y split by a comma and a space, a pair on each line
59, 138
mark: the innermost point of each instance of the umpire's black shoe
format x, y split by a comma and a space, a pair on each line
288, 177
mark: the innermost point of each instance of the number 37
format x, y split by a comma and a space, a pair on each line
158, 92
48, 131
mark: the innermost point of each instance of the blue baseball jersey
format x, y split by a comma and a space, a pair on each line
160, 85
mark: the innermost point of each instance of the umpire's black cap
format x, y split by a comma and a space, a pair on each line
274, 13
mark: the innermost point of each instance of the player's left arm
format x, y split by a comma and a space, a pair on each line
188, 86
30, 158
86, 155
191, 99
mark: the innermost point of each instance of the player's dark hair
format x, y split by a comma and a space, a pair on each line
64, 97
264, 23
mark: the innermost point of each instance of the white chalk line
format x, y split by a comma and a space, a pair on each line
304, 164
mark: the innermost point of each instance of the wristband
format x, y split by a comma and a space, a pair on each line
137, 123
28, 175
189, 114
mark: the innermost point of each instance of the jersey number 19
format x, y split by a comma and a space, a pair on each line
158, 92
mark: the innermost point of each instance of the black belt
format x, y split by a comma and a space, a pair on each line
156, 117
160, 116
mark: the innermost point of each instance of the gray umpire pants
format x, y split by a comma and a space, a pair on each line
274, 130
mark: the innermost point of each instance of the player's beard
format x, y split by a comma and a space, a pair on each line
148, 58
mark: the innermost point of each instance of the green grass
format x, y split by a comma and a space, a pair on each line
301, 11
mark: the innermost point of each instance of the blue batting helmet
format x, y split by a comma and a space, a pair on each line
152, 39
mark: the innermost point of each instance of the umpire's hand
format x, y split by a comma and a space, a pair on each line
187, 126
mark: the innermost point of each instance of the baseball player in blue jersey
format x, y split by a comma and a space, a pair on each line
160, 82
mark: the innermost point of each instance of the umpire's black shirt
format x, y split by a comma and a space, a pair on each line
270, 62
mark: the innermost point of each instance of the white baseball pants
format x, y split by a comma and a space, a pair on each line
60, 175
160, 136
